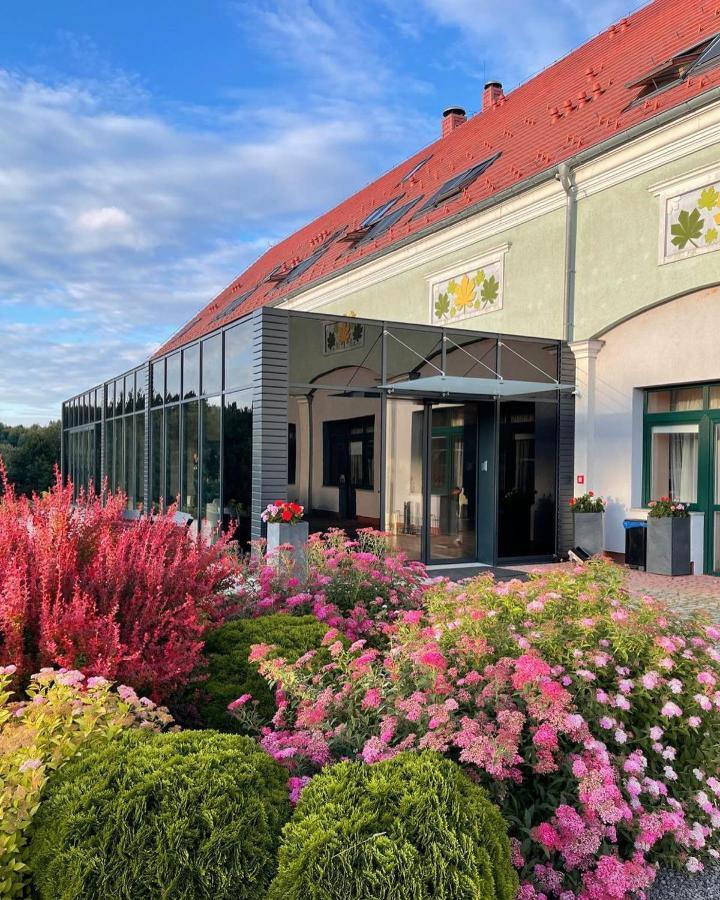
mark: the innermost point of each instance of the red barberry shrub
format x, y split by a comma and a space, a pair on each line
83, 589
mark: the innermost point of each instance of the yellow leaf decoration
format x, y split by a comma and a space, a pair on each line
717, 218
344, 333
465, 294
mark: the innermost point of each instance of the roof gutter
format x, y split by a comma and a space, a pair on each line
579, 159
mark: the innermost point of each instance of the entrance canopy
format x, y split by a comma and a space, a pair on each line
474, 387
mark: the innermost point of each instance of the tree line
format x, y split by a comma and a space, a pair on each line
30, 454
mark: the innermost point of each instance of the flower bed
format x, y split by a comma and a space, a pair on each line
591, 719
358, 586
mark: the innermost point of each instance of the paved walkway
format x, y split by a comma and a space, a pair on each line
688, 594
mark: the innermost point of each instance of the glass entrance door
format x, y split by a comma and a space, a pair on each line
453, 482
431, 489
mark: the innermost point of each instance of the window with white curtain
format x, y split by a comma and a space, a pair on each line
674, 461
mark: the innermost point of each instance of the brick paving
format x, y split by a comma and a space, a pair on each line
688, 594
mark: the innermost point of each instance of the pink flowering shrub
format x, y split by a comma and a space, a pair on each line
358, 587
83, 589
593, 721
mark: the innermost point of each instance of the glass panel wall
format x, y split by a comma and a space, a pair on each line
237, 463
212, 365
172, 455
404, 490
453, 481
238, 356
210, 424
527, 479
157, 456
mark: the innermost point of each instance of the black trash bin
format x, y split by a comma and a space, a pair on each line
635, 543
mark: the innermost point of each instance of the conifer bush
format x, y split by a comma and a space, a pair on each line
186, 815
232, 675
411, 828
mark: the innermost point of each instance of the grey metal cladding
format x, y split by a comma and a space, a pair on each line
270, 410
566, 452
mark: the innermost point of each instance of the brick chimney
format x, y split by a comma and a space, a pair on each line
453, 117
492, 94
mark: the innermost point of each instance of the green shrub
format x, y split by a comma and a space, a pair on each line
230, 673
410, 828
168, 817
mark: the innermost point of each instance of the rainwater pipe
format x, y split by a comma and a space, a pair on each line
566, 177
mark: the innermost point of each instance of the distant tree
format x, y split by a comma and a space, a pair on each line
30, 454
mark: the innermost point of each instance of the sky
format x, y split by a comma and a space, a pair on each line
151, 149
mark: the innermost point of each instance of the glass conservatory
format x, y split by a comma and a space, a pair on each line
457, 443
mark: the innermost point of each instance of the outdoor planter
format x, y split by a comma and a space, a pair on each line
286, 528
668, 545
589, 532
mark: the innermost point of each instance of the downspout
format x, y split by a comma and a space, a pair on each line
566, 177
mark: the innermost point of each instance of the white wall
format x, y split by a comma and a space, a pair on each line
673, 343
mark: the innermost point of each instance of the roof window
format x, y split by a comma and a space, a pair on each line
415, 169
456, 184
698, 58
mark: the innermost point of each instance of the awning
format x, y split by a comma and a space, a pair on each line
474, 387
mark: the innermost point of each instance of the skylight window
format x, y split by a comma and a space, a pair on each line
309, 261
378, 213
415, 169
238, 301
387, 221
457, 183
700, 57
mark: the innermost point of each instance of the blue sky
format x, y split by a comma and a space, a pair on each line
151, 150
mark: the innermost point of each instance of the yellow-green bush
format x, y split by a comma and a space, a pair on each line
411, 828
63, 713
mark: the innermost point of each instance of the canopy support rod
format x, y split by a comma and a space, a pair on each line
529, 362
419, 355
478, 361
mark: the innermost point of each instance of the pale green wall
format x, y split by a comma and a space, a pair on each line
533, 284
617, 251
617, 266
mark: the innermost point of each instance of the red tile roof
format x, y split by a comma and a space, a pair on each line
572, 106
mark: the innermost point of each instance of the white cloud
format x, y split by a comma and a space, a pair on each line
513, 39
116, 227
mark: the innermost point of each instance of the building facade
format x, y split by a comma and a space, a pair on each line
581, 212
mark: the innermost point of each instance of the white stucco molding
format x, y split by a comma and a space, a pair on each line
586, 349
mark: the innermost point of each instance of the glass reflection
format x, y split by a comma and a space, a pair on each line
404, 504
238, 356
211, 411
237, 463
191, 462
172, 457
212, 365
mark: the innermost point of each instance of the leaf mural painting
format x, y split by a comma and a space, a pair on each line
691, 222
687, 229
340, 336
469, 293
